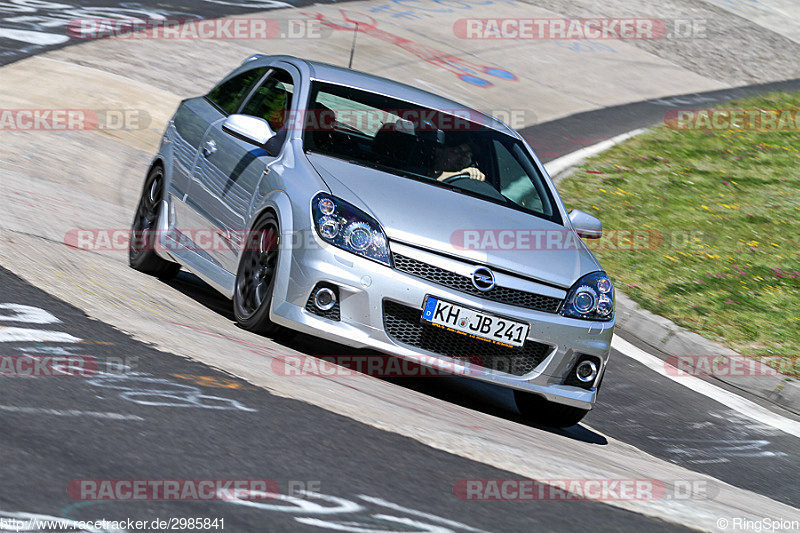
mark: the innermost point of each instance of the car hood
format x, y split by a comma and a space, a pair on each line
458, 225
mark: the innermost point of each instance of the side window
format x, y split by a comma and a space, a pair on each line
515, 181
228, 95
509, 167
272, 100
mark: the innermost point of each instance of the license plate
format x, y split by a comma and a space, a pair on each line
475, 324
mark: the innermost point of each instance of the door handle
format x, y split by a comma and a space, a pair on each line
209, 148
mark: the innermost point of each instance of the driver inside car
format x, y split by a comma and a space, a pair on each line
456, 159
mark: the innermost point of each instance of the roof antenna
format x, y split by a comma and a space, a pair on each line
353, 47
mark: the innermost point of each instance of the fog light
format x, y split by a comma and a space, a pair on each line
586, 371
324, 299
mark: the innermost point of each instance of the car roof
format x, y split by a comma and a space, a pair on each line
326, 72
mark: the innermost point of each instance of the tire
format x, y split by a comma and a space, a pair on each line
540, 411
255, 279
141, 254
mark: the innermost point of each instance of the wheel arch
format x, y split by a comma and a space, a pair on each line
280, 205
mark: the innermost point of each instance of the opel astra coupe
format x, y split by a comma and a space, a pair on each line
348, 206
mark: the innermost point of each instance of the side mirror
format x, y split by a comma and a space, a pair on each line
249, 129
585, 224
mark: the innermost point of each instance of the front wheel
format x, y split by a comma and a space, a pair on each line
255, 280
540, 411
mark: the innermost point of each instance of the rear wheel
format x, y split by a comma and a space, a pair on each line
255, 280
540, 411
141, 254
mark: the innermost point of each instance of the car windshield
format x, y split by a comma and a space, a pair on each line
444, 148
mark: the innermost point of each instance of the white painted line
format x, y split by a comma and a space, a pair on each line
33, 37
27, 314
556, 166
34, 335
68, 412
728, 399
396, 507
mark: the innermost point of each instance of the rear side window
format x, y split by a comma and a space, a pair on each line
228, 95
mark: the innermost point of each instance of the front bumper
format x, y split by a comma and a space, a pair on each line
365, 287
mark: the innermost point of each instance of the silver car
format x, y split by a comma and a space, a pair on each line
377, 215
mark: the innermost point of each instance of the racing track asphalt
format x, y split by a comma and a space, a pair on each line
38, 27
636, 406
153, 421
560, 137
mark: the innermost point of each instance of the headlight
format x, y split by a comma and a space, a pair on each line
349, 228
591, 298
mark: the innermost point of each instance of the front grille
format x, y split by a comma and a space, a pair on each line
515, 297
402, 323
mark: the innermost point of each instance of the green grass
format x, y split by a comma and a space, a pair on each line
727, 206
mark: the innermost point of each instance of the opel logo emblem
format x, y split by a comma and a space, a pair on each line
483, 279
